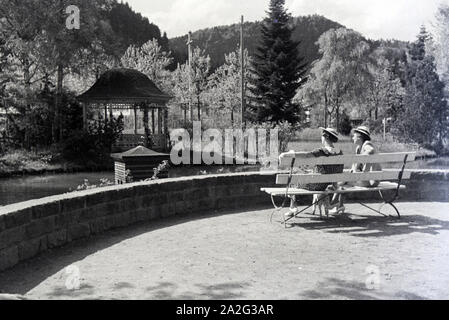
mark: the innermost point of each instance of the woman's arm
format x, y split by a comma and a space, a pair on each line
292, 153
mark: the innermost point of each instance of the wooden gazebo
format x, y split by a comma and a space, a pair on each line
132, 94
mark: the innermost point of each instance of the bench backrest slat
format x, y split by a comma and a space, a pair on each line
349, 159
342, 177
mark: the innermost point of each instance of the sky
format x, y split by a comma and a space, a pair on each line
375, 19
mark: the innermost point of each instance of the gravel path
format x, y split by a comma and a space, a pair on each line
240, 255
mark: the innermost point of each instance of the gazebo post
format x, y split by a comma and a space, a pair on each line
135, 119
159, 120
105, 114
152, 119
145, 124
84, 117
167, 138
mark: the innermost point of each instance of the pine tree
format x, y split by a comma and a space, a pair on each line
164, 43
424, 118
278, 69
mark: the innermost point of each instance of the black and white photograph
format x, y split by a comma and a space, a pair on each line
236, 152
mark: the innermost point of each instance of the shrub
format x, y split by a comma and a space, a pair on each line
345, 126
87, 186
92, 147
157, 171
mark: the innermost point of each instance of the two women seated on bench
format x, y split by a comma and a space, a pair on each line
328, 139
362, 140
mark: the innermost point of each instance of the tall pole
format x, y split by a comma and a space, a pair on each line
189, 46
242, 70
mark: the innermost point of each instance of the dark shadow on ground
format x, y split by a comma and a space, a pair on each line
27, 275
62, 293
369, 226
160, 291
223, 291
333, 288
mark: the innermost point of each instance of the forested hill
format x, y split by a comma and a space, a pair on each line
131, 28
218, 41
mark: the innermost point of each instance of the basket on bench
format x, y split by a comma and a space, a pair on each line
390, 179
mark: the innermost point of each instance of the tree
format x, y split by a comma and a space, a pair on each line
345, 126
20, 27
6, 67
150, 60
189, 85
339, 76
44, 62
164, 42
384, 90
199, 74
43, 45
224, 92
180, 89
441, 44
68, 47
278, 69
424, 118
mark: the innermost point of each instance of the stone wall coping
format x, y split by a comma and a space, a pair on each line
443, 174
80, 194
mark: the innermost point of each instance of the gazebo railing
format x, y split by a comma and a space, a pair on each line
129, 141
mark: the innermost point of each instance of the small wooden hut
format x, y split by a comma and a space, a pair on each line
143, 105
138, 163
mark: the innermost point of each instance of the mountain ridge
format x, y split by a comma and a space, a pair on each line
220, 40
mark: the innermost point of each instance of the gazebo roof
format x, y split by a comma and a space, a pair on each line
138, 152
124, 86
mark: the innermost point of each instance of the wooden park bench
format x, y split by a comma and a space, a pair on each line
390, 179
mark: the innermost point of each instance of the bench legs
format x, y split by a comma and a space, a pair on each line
380, 212
390, 202
396, 209
322, 198
386, 202
285, 220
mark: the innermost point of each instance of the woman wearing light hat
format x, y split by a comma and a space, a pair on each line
362, 139
328, 139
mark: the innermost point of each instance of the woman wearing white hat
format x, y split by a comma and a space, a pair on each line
328, 139
362, 139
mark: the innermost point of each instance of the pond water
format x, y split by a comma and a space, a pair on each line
17, 189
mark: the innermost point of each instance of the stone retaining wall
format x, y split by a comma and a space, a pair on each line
29, 228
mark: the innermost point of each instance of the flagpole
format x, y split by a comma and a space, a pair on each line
242, 63
189, 46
